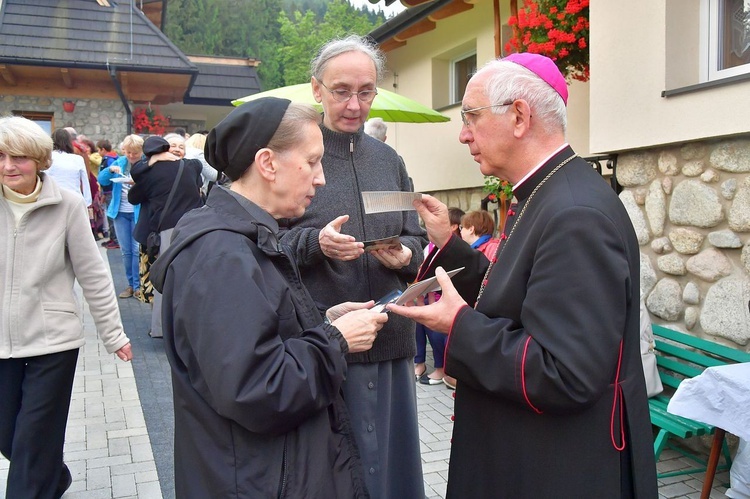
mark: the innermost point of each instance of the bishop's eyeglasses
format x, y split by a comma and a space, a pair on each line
472, 112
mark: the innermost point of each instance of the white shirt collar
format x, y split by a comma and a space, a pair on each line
537, 167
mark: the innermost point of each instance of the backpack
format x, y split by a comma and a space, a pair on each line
106, 163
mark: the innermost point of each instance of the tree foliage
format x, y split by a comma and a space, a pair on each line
303, 35
283, 34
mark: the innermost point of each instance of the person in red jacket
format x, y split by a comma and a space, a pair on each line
477, 228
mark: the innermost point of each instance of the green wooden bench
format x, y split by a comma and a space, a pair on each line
680, 356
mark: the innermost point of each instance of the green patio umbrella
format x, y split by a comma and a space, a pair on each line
387, 105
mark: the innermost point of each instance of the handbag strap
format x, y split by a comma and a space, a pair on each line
171, 195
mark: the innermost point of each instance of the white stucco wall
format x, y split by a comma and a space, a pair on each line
629, 43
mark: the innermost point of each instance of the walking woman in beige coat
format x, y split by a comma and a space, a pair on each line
46, 243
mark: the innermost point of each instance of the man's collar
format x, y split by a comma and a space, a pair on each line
537, 167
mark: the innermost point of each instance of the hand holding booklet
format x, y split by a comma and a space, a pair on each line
412, 292
392, 242
122, 180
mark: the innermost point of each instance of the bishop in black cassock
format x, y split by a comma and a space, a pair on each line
551, 399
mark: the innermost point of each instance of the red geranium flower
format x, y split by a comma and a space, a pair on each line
148, 120
558, 29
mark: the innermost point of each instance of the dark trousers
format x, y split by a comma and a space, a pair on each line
34, 401
107, 195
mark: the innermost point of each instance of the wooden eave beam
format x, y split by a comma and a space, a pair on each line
456, 7
8, 75
419, 28
66, 78
391, 44
227, 61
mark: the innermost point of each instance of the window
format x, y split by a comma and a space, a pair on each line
451, 71
462, 68
44, 120
728, 27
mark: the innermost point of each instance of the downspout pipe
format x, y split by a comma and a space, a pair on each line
123, 99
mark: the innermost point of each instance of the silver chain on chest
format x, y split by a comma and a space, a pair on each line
504, 243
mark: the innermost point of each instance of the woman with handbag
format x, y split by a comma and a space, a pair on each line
167, 187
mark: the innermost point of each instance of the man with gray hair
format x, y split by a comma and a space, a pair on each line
550, 396
72, 132
379, 390
376, 127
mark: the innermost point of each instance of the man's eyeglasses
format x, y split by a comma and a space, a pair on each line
470, 112
343, 95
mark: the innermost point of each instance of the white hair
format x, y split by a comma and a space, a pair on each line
173, 135
376, 127
508, 80
352, 43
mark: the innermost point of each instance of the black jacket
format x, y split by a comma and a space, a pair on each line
256, 375
151, 190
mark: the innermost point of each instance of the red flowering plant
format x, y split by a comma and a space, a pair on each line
500, 192
148, 120
497, 189
558, 29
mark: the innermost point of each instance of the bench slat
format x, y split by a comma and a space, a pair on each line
668, 380
688, 355
695, 342
686, 370
680, 426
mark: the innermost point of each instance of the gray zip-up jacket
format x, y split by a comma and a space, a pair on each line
354, 163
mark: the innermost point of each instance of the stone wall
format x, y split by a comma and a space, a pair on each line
690, 207
95, 118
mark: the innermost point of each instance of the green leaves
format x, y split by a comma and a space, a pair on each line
283, 34
303, 34
495, 186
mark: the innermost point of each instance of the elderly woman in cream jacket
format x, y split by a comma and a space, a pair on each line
46, 244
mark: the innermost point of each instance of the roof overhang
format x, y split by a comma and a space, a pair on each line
18, 77
419, 18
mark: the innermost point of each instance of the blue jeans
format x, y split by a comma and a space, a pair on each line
437, 341
124, 226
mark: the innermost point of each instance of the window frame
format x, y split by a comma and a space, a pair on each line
711, 30
455, 97
39, 117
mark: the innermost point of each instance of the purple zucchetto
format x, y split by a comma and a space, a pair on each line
544, 68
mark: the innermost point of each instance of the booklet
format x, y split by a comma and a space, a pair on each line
392, 242
383, 201
122, 179
412, 292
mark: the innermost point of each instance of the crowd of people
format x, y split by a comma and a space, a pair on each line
286, 381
